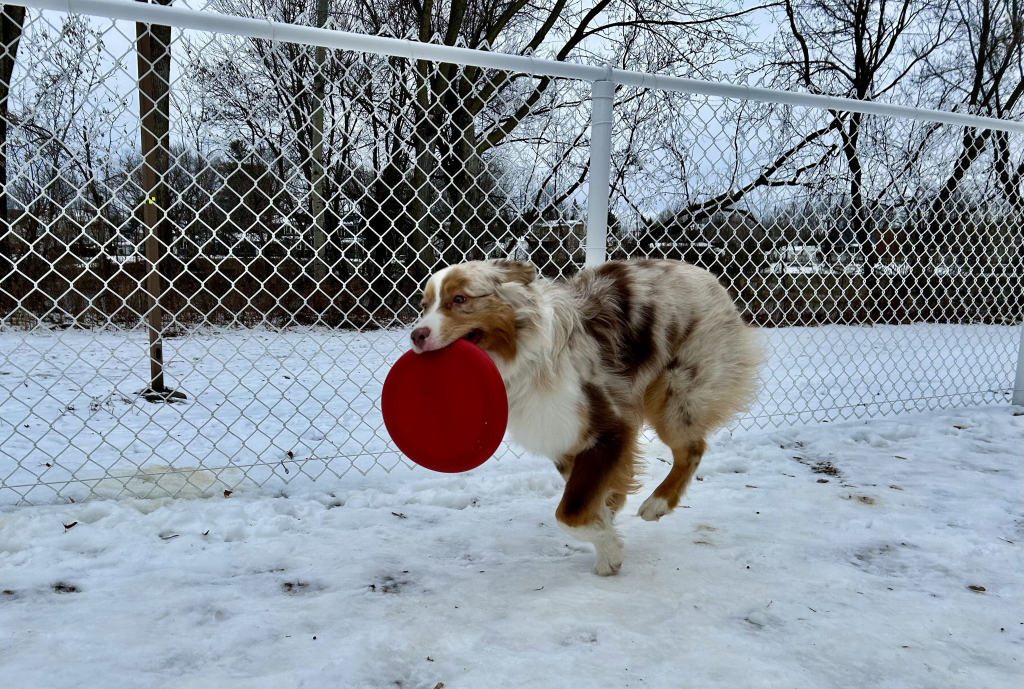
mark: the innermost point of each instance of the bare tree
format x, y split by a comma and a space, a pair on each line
12, 21
65, 147
67, 141
979, 72
859, 49
427, 151
985, 73
286, 97
463, 113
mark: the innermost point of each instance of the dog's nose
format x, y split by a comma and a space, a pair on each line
420, 335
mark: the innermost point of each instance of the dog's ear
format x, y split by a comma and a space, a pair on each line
516, 271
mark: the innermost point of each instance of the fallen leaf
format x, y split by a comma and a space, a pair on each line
67, 527
167, 538
399, 515
976, 588
227, 492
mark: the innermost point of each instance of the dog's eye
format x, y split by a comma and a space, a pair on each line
459, 299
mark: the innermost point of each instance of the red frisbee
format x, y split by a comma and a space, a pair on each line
446, 410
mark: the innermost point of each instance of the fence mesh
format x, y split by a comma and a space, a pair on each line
885, 287
212, 245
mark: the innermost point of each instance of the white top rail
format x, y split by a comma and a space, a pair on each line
344, 40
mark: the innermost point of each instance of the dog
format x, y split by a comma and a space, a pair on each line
589, 360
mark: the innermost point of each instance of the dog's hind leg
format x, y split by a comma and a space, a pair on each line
599, 476
666, 496
673, 420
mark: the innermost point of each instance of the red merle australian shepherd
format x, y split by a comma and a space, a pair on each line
587, 361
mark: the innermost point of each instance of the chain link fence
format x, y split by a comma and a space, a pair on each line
213, 242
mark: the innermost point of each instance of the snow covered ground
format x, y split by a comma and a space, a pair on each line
838, 554
271, 408
841, 554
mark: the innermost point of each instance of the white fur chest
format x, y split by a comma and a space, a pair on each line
548, 423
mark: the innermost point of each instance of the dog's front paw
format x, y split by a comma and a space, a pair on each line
609, 557
653, 509
607, 567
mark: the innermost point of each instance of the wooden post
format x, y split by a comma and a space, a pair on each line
1018, 383
154, 92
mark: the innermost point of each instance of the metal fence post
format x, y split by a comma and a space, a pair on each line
1018, 384
602, 103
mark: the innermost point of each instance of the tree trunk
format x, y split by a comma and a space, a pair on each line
860, 222
971, 147
385, 232
12, 21
464, 172
423, 259
1010, 179
105, 235
941, 224
318, 205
